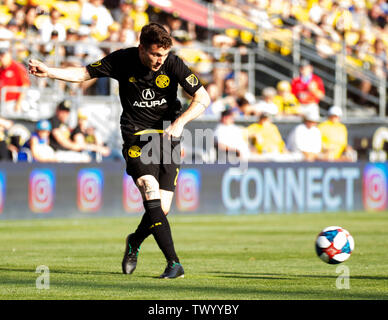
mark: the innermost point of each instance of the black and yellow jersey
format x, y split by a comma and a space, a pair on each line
148, 98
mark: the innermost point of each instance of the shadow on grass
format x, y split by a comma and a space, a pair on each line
54, 270
220, 274
80, 272
181, 289
146, 287
284, 276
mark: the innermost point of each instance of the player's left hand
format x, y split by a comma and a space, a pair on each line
174, 130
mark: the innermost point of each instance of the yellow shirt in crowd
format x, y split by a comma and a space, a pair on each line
287, 104
334, 137
267, 138
140, 19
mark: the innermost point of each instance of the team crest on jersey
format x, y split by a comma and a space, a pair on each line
96, 64
162, 81
192, 80
134, 151
132, 79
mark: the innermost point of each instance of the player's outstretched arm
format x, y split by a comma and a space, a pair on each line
200, 102
71, 74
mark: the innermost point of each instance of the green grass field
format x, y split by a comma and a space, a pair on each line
245, 257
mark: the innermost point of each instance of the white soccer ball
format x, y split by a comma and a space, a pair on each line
334, 245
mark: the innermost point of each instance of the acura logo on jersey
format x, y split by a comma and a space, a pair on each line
150, 104
148, 94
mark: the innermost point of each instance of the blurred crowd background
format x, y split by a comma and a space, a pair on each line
311, 63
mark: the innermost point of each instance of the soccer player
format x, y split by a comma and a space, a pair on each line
148, 77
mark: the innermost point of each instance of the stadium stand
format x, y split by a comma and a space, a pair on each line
266, 41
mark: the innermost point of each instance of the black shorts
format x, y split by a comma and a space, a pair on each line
153, 154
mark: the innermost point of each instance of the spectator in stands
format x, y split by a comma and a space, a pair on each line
217, 104
360, 19
18, 16
335, 137
14, 26
381, 58
59, 136
66, 149
112, 5
123, 11
5, 152
246, 109
308, 88
196, 58
229, 137
259, 13
114, 32
230, 94
28, 27
221, 70
286, 101
320, 35
71, 36
230, 100
139, 15
242, 82
39, 143
128, 36
95, 13
53, 24
52, 49
327, 27
266, 103
5, 34
355, 68
93, 138
265, 136
177, 31
86, 137
86, 48
317, 10
379, 12
305, 140
13, 74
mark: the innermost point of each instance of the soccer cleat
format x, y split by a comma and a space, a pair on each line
173, 270
130, 257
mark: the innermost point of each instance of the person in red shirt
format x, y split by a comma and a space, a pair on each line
308, 88
12, 74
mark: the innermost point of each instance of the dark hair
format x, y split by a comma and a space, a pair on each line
226, 113
241, 101
155, 33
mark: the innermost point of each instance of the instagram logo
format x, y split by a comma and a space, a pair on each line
89, 190
132, 200
187, 190
375, 187
41, 191
2, 191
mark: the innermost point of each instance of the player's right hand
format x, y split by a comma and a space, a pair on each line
37, 68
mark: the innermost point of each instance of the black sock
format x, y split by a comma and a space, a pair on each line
142, 232
160, 229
